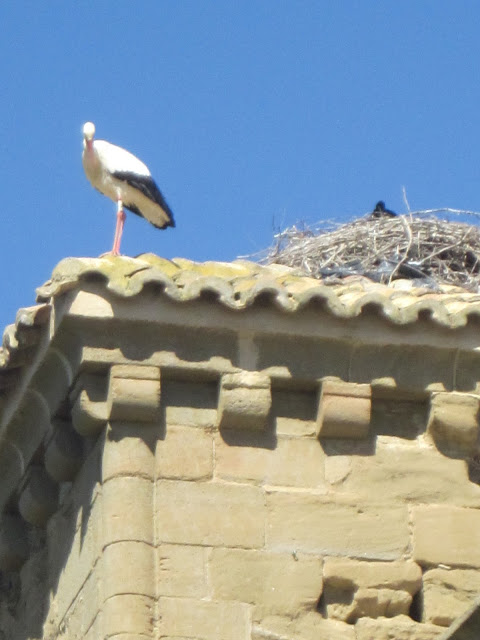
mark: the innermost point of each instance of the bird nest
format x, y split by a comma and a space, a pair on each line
417, 246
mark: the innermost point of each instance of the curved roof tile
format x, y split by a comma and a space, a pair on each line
238, 284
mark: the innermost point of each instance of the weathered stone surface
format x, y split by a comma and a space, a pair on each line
210, 514
310, 626
127, 510
447, 594
181, 571
245, 401
63, 456
39, 498
274, 582
53, 379
134, 393
446, 535
407, 366
198, 418
297, 462
453, 420
13, 543
73, 552
190, 403
466, 626
398, 628
186, 453
295, 411
349, 605
187, 618
129, 613
353, 589
408, 472
337, 468
129, 450
344, 410
345, 573
334, 526
80, 616
375, 603
128, 568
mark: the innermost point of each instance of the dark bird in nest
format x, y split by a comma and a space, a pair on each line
380, 211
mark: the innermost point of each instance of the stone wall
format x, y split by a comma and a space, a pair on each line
199, 489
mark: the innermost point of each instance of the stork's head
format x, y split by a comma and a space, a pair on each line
88, 133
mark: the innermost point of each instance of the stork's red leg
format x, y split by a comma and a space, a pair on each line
119, 228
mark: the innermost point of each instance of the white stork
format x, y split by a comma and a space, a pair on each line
121, 176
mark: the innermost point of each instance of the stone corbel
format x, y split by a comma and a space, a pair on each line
245, 401
89, 410
134, 393
453, 421
344, 410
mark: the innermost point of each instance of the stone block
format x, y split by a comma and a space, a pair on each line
134, 393
377, 603
128, 567
14, 548
210, 514
297, 462
185, 453
307, 358
191, 403
408, 472
129, 450
326, 526
181, 571
295, 411
446, 535
310, 626
128, 510
196, 417
245, 401
408, 367
276, 583
447, 594
83, 611
344, 410
187, 618
466, 626
453, 421
63, 456
354, 589
95, 630
72, 556
345, 573
399, 628
39, 497
129, 614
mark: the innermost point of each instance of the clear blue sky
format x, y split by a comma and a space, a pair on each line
251, 115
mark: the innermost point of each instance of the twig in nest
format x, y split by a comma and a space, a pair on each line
446, 252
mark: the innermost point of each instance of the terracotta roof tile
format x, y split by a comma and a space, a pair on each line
237, 285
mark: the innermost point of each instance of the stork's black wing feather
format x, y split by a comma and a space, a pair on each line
147, 186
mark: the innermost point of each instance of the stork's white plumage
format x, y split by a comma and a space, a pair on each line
121, 176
